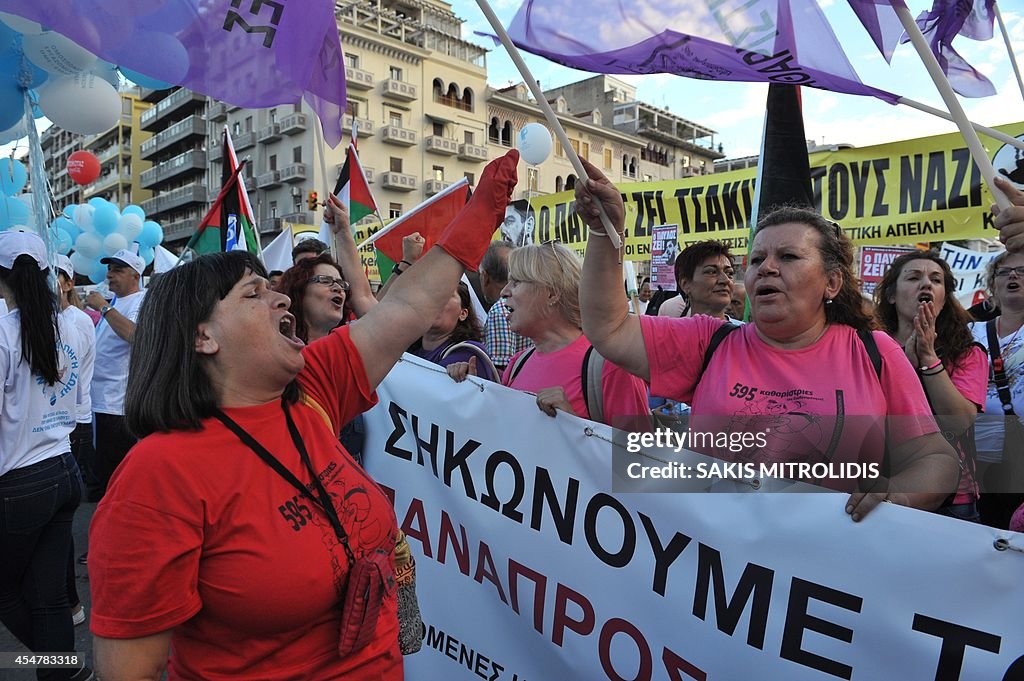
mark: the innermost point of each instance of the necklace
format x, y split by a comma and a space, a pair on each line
1009, 343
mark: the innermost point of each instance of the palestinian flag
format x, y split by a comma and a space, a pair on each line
230, 223
352, 189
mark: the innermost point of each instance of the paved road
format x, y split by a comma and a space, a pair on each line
83, 639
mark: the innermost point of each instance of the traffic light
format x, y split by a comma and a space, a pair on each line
311, 201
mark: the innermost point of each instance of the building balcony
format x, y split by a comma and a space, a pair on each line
233, 107
431, 187
217, 111
148, 148
193, 125
270, 133
441, 145
399, 181
215, 151
107, 181
357, 79
472, 152
268, 225
190, 193
368, 174
190, 161
293, 124
155, 117
297, 219
396, 89
267, 180
365, 125
179, 229
113, 151
296, 172
244, 140
403, 137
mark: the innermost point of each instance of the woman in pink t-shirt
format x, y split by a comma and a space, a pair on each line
802, 375
916, 304
543, 297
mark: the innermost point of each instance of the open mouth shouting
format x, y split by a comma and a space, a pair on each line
287, 328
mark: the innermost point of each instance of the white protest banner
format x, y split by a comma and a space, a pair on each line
969, 270
531, 569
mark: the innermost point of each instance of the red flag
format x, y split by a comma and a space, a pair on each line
429, 219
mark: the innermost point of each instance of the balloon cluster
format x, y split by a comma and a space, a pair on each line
65, 82
99, 228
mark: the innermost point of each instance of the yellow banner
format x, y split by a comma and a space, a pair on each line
367, 255
920, 190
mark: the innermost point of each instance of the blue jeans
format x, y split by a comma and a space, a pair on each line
37, 504
968, 512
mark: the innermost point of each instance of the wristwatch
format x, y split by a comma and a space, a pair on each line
104, 310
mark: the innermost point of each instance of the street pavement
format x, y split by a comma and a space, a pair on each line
83, 639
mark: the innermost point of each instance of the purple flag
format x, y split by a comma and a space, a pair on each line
946, 20
250, 53
774, 41
881, 23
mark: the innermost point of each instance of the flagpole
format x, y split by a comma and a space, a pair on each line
549, 114
952, 103
319, 151
988, 132
1009, 47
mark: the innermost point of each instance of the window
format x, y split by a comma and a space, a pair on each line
586, 151
575, 145
492, 132
394, 210
395, 119
607, 159
570, 183
248, 123
352, 108
469, 138
685, 161
439, 173
467, 100
352, 60
273, 209
297, 108
470, 178
273, 161
647, 178
506, 134
558, 184
297, 155
394, 73
396, 164
236, 128
273, 116
558, 150
438, 89
438, 129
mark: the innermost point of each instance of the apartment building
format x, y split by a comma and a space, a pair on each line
177, 150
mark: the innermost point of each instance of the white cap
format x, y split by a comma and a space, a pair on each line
126, 257
64, 265
13, 244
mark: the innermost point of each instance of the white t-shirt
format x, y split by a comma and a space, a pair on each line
35, 418
112, 352
87, 331
988, 428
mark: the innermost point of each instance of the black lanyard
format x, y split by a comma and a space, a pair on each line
324, 502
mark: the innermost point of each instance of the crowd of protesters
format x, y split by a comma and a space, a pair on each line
197, 408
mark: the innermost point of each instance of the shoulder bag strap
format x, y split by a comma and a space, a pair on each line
481, 356
716, 340
998, 368
591, 374
518, 364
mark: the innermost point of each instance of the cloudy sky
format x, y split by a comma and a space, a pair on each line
736, 110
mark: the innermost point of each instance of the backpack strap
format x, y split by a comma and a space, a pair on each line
998, 368
480, 354
871, 347
517, 365
716, 340
593, 386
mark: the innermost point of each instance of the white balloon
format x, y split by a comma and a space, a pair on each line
130, 225
83, 264
60, 56
83, 103
534, 143
89, 245
21, 24
84, 217
113, 243
106, 71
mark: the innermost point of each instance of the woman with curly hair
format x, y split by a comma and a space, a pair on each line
916, 304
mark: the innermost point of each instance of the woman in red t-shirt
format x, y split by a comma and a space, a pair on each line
916, 304
238, 537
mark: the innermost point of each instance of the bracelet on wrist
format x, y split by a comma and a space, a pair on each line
937, 363
935, 372
404, 261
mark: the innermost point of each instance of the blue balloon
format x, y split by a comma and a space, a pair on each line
64, 242
13, 212
62, 223
13, 176
132, 209
98, 201
147, 254
144, 81
12, 105
152, 234
105, 218
69, 211
99, 275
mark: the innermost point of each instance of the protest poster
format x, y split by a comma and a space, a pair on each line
874, 261
970, 269
664, 248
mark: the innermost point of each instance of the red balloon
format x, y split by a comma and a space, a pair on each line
83, 167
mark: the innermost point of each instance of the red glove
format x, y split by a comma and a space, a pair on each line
467, 236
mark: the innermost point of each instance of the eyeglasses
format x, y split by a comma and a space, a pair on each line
1005, 271
328, 281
